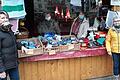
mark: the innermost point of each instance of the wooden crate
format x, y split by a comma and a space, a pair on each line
62, 48
31, 52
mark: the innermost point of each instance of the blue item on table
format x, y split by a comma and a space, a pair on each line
101, 41
28, 44
49, 34
24, 43
31, 45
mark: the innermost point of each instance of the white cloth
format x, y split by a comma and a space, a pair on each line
76, 2
15, 8
97, 2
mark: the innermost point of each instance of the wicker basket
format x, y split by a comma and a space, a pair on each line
24, 34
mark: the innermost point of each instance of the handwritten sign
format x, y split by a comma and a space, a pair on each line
51, 52
29, 51
70, 46
83, 44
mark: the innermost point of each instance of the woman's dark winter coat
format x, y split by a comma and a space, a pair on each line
8, 51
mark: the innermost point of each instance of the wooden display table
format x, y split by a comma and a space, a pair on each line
73, 65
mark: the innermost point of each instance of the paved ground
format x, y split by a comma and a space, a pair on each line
104, 78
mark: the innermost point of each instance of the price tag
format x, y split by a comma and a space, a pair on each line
30, 51
71, 46
51, 52
83, 44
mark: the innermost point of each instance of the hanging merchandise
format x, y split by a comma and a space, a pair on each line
57, 1
67, 13
93, 3
76, 2
96, 23
15, 8
57, 11
103, 10
62, 14
102, 25
97, 2
110, 16
115, 2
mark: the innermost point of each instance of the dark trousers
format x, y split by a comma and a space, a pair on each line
13, 74
116, 63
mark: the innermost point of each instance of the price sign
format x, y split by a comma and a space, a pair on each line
71, 46
29, 51
51, 52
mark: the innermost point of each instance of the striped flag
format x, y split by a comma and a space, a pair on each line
15, 8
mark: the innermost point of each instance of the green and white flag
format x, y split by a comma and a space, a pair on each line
15, 8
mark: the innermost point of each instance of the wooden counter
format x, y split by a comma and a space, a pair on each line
73, 65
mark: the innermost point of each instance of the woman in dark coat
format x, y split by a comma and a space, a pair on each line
8, 49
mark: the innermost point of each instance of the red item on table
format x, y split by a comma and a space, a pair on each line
86, 40
97, 36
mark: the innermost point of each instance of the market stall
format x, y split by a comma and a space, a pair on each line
64, 56
73, 61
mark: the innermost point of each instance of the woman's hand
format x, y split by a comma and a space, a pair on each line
2, 75
109, 53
